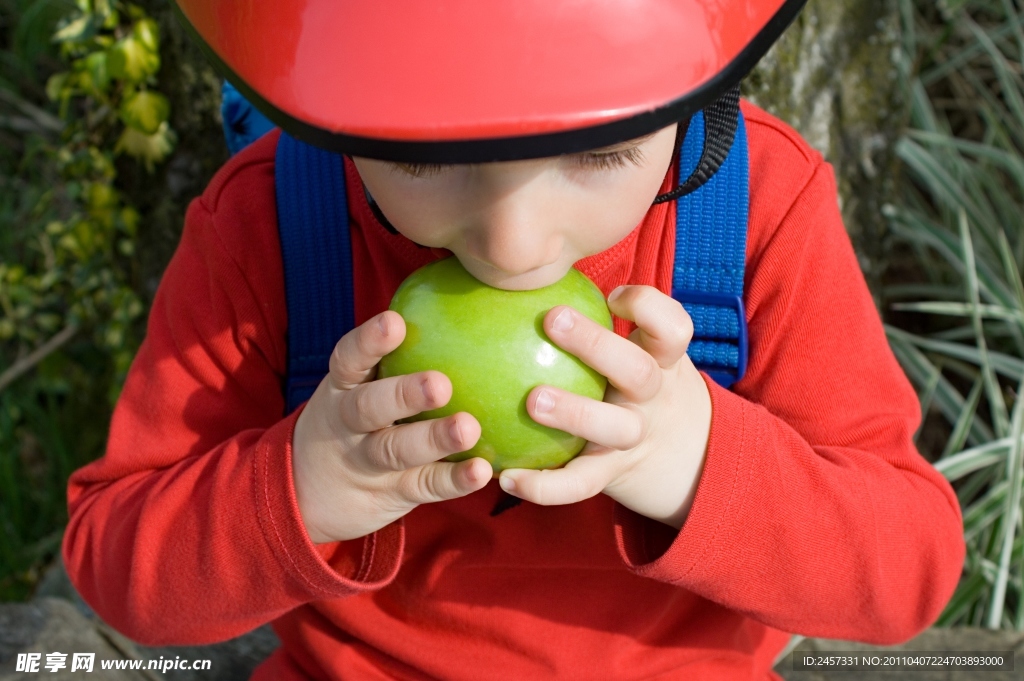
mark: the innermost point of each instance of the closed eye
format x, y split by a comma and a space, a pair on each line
609, 159
422, 169
591, 160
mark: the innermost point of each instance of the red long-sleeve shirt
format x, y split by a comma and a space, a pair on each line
814, 513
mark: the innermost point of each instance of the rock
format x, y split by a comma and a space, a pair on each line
232, 660
935, 640
58, 608
53, 625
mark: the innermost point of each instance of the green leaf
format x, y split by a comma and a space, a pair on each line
974, 459
56, 86
1012, 274
962, 310
95, 67
1002, 363
967, 593
964, 421
130, 60
1011, 509
995, 395
145, 111
920, 369
78, 30
147, 32
150, 149
982, 513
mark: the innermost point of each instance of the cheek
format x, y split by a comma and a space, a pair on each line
421, 211
610, 212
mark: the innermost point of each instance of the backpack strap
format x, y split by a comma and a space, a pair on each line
243, 123
711, 241
312, 217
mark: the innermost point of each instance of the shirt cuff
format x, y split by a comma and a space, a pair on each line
657, 551
331, 570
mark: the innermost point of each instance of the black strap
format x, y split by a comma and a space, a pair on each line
720, 121
505, 502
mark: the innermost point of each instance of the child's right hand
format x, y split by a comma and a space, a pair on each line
354, 470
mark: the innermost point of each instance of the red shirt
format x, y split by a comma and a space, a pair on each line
814, 513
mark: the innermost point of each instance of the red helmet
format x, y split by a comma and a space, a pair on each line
462, 81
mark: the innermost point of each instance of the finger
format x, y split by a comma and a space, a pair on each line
611, 425
664, 325
411, 445
626, 365
442, 481
583, 477
377, 404
355, 356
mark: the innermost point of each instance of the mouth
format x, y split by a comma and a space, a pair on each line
535, 278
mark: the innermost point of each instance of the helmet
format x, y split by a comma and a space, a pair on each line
465, 81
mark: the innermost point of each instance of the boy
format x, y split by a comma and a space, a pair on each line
699, 525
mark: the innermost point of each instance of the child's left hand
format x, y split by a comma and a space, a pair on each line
647, 440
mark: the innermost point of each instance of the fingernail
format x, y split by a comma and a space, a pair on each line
507, 484
383, 325
616, 292
427, 392
544, 403
471, 476
453, 430
563, 322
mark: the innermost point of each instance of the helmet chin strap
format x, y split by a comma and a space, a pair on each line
720, 121
379, 214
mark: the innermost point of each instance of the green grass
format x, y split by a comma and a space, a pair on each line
961, 219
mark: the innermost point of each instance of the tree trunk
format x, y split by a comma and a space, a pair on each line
833, 77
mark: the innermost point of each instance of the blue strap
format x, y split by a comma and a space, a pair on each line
711, 243
312, 217
243, 124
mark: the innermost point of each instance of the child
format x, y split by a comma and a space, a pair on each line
699, 528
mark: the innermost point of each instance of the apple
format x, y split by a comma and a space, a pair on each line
491, 344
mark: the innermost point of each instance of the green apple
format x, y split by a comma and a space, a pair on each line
491, 344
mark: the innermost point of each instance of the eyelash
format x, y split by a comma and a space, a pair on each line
588, 160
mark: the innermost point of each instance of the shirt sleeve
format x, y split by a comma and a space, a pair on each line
814, 514
187, 530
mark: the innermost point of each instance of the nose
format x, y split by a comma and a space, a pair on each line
515, 230
512, 246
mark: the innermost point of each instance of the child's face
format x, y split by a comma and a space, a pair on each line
522, 224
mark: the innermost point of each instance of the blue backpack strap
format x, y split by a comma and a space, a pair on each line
312, 218
711, 242
243, 123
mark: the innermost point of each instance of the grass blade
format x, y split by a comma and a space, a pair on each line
995, 394
1010, 511
963, 422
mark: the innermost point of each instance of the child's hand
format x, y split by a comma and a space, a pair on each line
647, 440
354, 471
